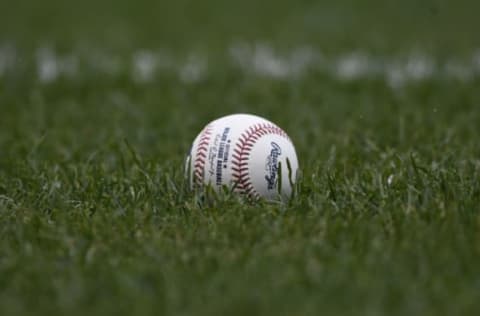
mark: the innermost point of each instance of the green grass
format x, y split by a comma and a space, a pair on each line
95, 218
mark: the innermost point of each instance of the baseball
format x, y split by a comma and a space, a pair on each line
246, 153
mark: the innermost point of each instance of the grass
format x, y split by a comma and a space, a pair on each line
95, 218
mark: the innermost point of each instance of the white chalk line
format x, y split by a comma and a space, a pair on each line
252, 59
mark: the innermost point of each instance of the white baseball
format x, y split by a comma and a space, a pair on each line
247, 153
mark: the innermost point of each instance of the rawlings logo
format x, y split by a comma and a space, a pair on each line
272, 166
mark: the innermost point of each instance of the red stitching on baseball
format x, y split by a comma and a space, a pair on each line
242, 151
201, 155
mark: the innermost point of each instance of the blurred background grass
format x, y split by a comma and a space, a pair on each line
440, 26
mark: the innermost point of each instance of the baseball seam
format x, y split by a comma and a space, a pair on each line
241, 155
201, 155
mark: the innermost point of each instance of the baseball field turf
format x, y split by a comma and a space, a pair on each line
101, 100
